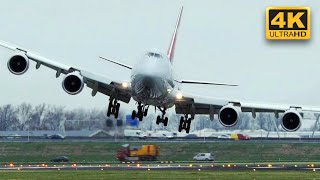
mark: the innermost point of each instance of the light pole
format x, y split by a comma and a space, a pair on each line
29, 129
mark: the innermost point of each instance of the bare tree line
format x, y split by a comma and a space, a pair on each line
47, 117
51, 117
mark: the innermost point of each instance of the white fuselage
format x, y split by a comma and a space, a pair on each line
152, 80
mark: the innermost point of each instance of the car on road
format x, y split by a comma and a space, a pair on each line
56, 136
224, 136
13, 136
203, 157
60, 159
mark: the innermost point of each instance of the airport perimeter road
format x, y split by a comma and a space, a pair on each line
275, 140
162, 167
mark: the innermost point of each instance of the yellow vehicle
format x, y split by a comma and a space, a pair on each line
139, 153
239, 137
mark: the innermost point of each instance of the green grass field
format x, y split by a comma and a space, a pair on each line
104, 152
161, 174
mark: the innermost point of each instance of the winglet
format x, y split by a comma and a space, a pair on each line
174, 37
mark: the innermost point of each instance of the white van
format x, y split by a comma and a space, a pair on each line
203, 157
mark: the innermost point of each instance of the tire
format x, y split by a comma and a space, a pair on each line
145, 113
181, 120
118, 107
187, 131
207, 159
109, 111
158, 120
188, 127
134, 114
140, 116
116, 114
165, 123
189, 120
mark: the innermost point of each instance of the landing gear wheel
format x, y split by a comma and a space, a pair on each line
140, 112
188, 128
109, 109
116, 114
158, 120
140, 116
165, 122
145, 113
134, 114
189, 121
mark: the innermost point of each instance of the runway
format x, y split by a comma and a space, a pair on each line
227, 167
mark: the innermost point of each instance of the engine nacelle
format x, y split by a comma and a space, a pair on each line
18, 64
229, 115
291, 120
73, 83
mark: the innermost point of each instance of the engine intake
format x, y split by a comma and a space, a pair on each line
291, 120
229, 115
73, 83
18, 64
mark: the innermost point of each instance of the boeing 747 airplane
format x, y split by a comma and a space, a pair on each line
153, 83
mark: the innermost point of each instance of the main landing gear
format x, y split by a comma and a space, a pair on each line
162, 119
185, 124
142, 112
113, 108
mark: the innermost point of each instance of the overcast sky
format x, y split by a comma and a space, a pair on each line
219, 40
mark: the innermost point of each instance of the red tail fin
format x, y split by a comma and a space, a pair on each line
174, 37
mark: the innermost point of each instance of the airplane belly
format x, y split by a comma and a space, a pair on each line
150, 90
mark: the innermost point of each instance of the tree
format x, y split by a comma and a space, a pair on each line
8, 118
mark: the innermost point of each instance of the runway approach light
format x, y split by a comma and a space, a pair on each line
125, 85
179, 96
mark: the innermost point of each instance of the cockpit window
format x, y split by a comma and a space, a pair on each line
151, 54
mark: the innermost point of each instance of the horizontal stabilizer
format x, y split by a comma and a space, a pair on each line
117, 63
208, 83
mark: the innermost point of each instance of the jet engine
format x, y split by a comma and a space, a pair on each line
18, 64
229, 115
73, 83
291, 120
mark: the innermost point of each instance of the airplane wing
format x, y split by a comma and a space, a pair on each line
193, 104
98, 83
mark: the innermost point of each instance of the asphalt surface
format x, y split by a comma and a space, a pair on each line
226, 167
270, 140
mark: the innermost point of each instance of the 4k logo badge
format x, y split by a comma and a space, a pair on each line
288, 23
